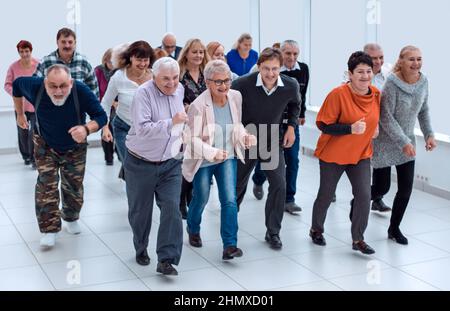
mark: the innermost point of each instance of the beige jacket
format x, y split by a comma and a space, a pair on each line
198, 135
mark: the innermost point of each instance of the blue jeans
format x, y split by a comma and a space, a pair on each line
292, 164
226, 175
120, 134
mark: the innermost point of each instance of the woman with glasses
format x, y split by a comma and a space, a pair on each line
192, 60
214, 137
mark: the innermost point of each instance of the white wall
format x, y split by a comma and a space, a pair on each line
424, 24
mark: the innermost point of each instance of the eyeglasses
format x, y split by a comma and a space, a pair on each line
169, 46
220, 82
63, 87
267, 69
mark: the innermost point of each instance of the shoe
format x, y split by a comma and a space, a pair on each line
292, 208
195, 239
363, 247
33, 165
48, 240
73, 227
397, 236
143, 258
378, 205
317, 238
274, 240
110, 163
27, 161
166, 268
333, 200
230, 252
258, 191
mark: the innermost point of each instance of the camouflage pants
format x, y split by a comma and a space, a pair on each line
51, 164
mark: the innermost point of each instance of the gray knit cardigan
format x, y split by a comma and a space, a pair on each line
401, 105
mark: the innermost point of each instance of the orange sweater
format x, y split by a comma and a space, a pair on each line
344, 106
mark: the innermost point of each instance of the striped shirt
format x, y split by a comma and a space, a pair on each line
80, 69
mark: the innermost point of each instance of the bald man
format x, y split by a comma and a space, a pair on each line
169, 44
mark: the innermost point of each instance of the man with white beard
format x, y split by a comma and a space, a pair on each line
59, 137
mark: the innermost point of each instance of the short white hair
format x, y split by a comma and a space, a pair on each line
165, 63
291, 43
169, 34
216, 66
58, 67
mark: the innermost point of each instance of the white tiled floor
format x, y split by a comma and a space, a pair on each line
104, 252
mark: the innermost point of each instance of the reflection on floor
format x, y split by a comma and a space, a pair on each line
104, 253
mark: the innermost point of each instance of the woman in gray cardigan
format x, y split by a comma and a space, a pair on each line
403, 100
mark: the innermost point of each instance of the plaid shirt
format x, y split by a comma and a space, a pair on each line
79, 66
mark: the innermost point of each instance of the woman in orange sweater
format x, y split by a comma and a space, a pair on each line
348, 120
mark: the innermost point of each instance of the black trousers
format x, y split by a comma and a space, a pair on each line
25, 137
108, 147
276, 197
381, 183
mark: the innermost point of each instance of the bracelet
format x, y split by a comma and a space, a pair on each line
87, 130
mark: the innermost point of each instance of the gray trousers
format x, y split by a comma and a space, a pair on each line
359, 176
277, 190
145, 182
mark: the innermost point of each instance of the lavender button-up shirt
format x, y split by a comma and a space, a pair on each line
152, 134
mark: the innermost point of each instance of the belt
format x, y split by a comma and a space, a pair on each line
144, 159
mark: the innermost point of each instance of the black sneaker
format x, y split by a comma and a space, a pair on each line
143, 259
27, 161
292, 208
274, 240
230, 252
363, 247
166, 268
379, 206
258, 192
317, 238
397, 236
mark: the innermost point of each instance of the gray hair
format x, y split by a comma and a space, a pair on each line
58, 67
216, 66
372, 47
165, 63
169, 34
289, 42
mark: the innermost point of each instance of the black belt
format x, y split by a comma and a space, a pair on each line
144, 159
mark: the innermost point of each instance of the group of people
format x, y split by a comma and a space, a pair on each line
179, 116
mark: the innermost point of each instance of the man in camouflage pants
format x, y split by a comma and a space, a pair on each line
60, 134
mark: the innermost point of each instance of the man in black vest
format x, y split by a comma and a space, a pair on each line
265, 97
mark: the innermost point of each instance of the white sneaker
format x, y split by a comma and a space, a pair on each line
48, 240
73, 227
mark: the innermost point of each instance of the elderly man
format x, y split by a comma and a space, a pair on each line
60, 144
265, 96
152, 169
300, 72
79, 66
169, 44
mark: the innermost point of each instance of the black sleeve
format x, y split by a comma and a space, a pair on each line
293, 108
304, 89
91, 104
336, 129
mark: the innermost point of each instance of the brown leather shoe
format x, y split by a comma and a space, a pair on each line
195, 240
230, 252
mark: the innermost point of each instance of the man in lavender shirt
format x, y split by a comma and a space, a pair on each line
152, 165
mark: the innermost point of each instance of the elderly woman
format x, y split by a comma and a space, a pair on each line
214, 137
348, 120
217, 51
404, 99
192, 60
24, 67
104, 73
242, 58
133, 70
